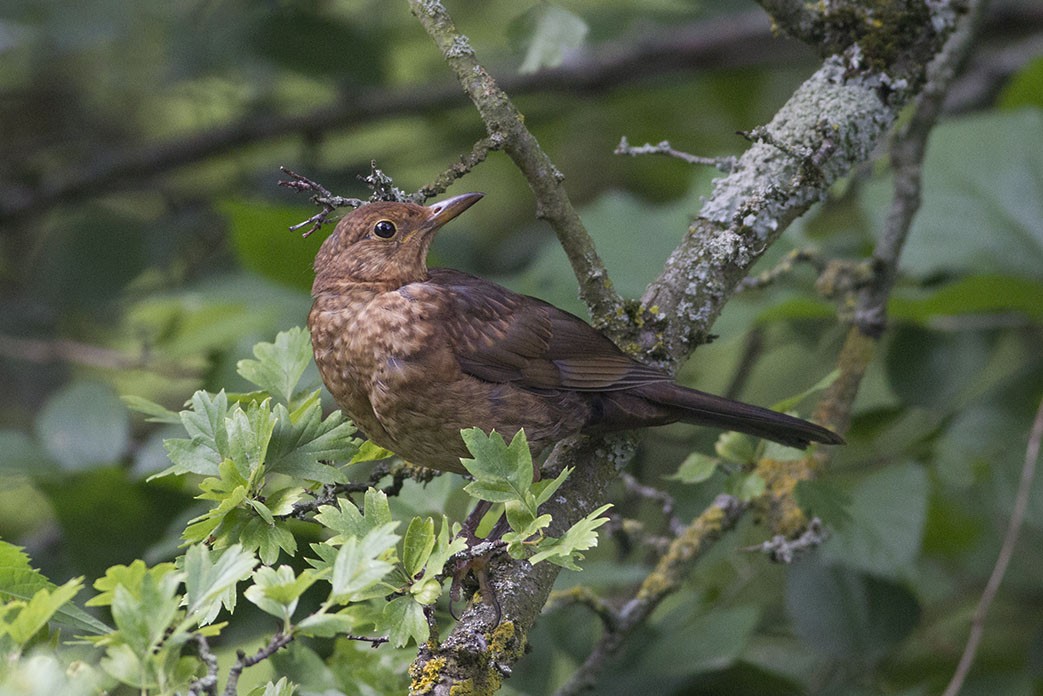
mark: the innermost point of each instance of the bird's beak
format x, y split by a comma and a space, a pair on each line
444, 211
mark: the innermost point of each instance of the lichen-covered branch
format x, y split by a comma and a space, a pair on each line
833, 122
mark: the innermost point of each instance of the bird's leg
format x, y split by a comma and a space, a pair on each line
477, 564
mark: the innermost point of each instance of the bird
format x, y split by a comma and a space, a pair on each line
413, 355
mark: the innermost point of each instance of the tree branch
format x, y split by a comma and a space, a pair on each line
833, 122
505, 123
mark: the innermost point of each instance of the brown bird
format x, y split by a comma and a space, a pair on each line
413, 355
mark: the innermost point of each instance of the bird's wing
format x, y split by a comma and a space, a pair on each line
501, 336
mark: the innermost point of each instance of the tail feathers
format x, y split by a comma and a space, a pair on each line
677, 403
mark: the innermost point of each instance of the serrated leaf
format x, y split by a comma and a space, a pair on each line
143, 618
359, 565
696, 468
404, 618
502, 472
41, 607
276, 591
544, 489
581, 536
347, 521
283, 687
249, 433
207, 580
130, 577
204, 449
20, 581
443, 549
280, 364
301, 444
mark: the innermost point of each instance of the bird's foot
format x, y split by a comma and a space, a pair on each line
474, 562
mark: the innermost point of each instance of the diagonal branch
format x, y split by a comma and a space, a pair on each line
505, 123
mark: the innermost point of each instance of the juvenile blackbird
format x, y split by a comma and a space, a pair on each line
413, 355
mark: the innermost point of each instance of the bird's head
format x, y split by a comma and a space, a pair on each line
385, 241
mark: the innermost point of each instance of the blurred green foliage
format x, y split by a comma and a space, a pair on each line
157, 283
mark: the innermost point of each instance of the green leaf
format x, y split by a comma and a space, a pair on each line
747, 486
204, 449
823, 500
566, 550
130, 577
696, 468
502, 472
84, 425
328, 625
346, 520
359, 566
404, 618
266, 539
301, 444
791, 403
20, 581
443, 549
417, 545
977, 294
143, 617
249, 433
887, 522
845, 614
283, 687
34, 614
276, 591
980, 219
208, 581
155, 412
555, 31
279, 365
544, 489
736, 447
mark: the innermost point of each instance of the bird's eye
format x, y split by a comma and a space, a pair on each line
385, 229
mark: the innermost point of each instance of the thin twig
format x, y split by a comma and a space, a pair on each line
785, 266
724, 164
278, 641
467, 162
784, 550
322, 197
665, 500
1010, 539
206, 684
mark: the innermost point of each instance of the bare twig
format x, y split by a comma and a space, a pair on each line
208, 683
467, 162
724, 164
665, 500
784, 550
1010, 540
278, 642
784, 267
322, 197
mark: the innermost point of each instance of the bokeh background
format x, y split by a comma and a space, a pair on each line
144, 249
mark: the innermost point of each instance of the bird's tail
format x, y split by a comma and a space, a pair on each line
677, 403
